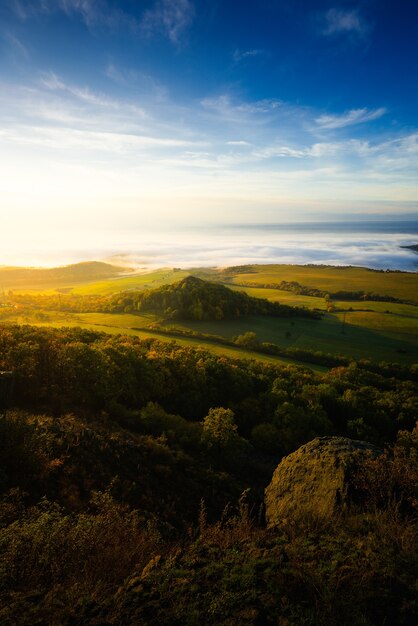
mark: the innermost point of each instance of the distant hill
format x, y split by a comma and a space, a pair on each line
196, 299
51, 278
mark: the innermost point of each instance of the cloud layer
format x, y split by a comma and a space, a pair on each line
327, 244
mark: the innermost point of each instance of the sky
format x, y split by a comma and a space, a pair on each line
144, 114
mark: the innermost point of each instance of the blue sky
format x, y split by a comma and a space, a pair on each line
143, 113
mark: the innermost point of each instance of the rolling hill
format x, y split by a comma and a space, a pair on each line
58, 277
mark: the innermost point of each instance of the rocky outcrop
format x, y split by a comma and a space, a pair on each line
316, 479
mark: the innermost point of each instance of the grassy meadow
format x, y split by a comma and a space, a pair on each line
402, 285
360, 336
148, 280
284, 297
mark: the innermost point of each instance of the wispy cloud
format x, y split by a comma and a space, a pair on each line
235, 110
92, 12
316, 151
54, 83
137, 80
19, 9
168, 18
348, 149
238, 142
381, 161
16, 46
70, 138
398, 155
245, 55
276, 151
70, 119
340, 22
348, 118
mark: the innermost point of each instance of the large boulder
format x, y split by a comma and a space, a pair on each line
316, 479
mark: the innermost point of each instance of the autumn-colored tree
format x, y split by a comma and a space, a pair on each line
219, 428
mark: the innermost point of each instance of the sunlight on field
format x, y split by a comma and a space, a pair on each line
151, 280
400, 285
387, 324
284, 297
122, 320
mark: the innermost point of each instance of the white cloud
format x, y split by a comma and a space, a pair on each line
400, 154
409, 144
349, 148
54, 83
242, 55
275, 151
384, 161
239, 142
338, 21
69, 138
354, 116
342, 150
238, 111
169, 18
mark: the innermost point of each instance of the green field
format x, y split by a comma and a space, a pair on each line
284, 297
402, 285
361, 336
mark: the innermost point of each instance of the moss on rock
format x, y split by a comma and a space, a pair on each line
316, 479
